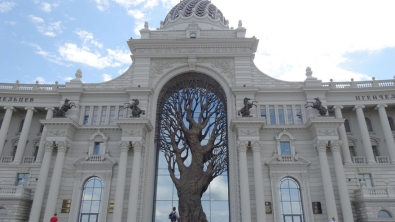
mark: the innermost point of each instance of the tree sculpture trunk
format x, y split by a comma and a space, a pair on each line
192, 132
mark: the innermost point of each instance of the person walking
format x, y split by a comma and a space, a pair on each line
174, 216
333, 219
54, 218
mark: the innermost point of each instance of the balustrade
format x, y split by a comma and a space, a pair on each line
28, 159
286, 158
358, 160
382, 159
15, 191
6, 159
375, 192
360, 84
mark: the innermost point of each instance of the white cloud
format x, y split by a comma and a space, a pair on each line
106, 77
46, 7
36, 19
48, 56
114, 58
6, 6
52, 29
102, 4
67, 79
313, 33
69, 17
87, 37
10, 22
137, 14
40, 80
122, 71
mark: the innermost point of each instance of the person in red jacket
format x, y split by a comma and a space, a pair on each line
54, 218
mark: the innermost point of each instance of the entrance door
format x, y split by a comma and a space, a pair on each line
292, 218
87, 217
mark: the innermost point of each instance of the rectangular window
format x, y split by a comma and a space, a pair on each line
290, 114
263, 111
103, 115
112, 115
367, 178
120, 112
272, 114
13, 152
22, 178
299, 115
94, 116
285, 148
35, 152
375, 151
281, 118
96, 148
41, 128
352, 151
86, 115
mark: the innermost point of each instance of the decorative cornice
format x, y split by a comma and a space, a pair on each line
247, 122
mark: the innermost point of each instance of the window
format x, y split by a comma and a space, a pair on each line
291, 200
391, 122
290, 114
281, 118
35, 152
369, 124
285, 148
21, 125
1, 123
299, 120
103, 115
41, 128
272, 114
112, 115
352, 151
383, 214
91, 200
347, 126
95, 113
367, 178
14, 152
375, 151
86, 115
96, 148
263, 111
120, 112
3, 212
20, 177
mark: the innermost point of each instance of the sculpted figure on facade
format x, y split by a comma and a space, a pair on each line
61, 112
136, 111
245, 111
317, 105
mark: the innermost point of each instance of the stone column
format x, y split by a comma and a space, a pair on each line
135, 181
5, 125
244, 187
40, 151
20, 150
259, 190
365, 134
41, 183
341, 182
343, 136
52, 199
326, 180
120, 189
389, 139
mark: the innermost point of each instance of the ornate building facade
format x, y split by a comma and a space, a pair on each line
287, 162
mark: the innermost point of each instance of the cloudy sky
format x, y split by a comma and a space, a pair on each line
49, 40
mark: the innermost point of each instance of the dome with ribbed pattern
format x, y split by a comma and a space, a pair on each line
195, 8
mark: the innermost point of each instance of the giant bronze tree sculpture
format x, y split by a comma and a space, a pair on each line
192, 132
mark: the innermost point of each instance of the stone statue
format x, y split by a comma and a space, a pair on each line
245, 111
61, 112
136, 111
317, 105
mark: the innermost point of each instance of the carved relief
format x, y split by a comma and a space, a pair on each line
57, 133
158, 67
327, 132
224, 66
131, 133
249, 132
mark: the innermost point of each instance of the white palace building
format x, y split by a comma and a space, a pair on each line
287, 163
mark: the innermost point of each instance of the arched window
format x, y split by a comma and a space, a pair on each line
383, 214
369, 124
391, 122
3, 212
347, 126
291, 200
21, 125
91, 200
